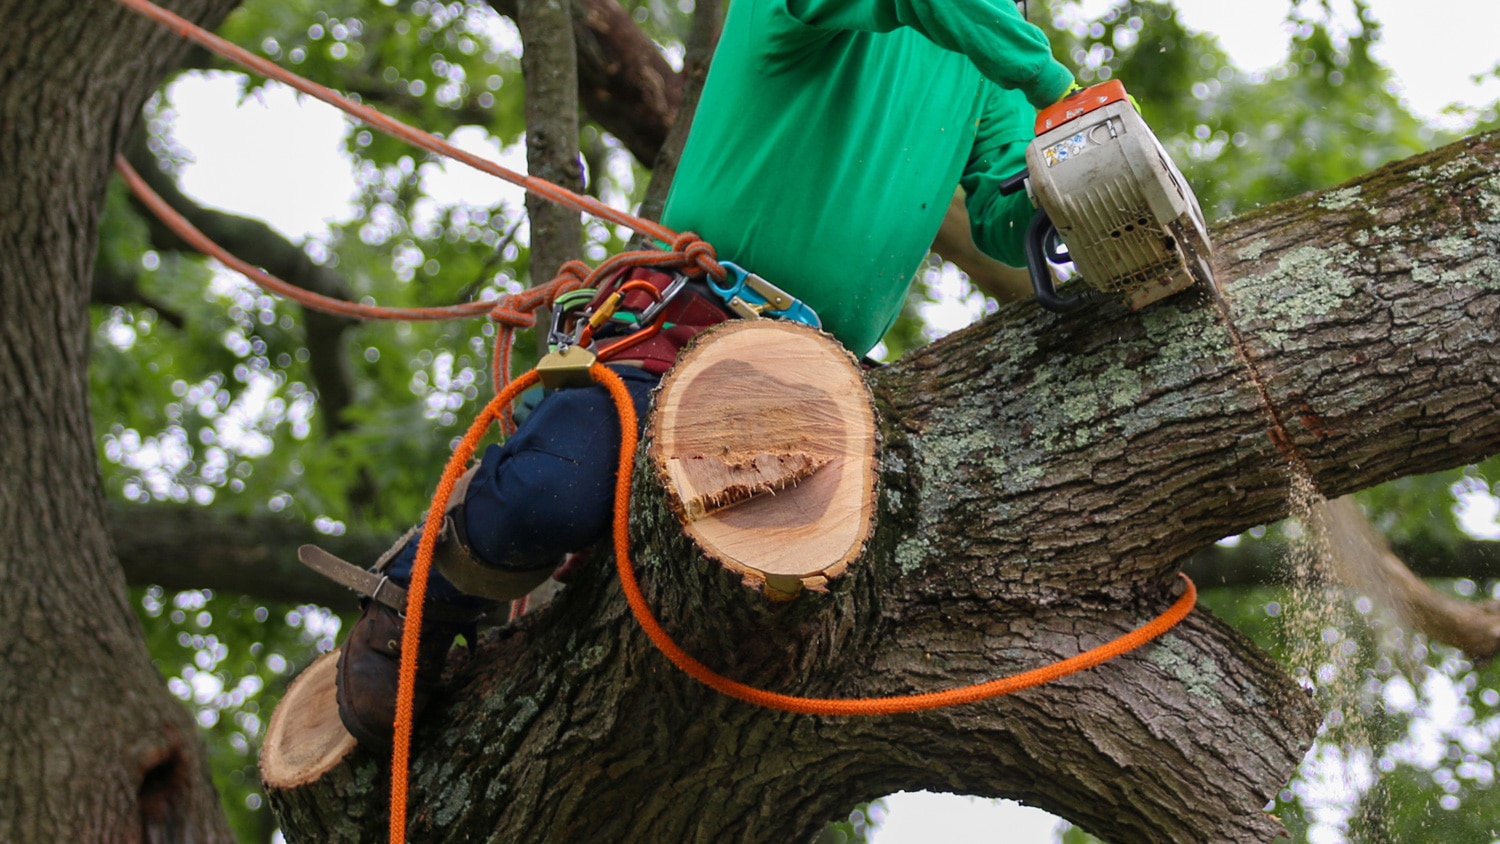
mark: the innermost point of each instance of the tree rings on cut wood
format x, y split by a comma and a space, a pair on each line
305, 738
764, 436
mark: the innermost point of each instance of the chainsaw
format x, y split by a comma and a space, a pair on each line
1110, 200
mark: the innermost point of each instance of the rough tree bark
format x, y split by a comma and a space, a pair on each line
1042, 478
551, 71
95, 749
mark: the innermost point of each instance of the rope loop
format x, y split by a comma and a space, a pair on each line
575, 270
698, 255
513, 315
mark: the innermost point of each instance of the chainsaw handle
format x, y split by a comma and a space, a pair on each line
1013, 184
1038, 234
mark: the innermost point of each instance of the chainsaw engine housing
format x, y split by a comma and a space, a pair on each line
1131, 224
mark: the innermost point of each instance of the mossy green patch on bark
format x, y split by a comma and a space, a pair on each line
1199, 676
1338, 200
1254, 249
912, 552
1307, 282
455, 803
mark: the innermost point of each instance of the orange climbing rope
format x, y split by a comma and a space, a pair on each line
625, 407
417, 592
688, 252
511, 311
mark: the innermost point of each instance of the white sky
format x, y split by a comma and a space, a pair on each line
250, 158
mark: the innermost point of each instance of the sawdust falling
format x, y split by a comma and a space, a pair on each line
1321, 631
1318, 625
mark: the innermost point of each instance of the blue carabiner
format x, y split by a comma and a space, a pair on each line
748, 295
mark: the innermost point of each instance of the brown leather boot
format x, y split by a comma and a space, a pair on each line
369, 671
369, 666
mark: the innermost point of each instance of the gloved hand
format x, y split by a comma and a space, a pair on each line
1077, 87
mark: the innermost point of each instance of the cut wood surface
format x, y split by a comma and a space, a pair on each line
764, 437
305, 738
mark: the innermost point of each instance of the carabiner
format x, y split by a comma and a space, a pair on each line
749, 295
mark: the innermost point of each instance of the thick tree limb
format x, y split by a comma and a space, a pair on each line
1042, 477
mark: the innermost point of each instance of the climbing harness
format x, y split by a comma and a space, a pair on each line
643, 302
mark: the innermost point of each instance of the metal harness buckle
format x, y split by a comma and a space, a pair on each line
750, 296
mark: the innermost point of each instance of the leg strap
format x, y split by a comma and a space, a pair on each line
374, 585
452, 558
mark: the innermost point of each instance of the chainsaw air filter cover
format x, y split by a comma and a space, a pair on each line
1127, 216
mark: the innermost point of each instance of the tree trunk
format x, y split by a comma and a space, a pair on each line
95, 747
550, 68
1041, 478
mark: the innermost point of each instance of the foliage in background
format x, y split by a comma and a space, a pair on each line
207, 395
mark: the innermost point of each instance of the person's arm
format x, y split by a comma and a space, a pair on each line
998, 222
955, 243
1007, 49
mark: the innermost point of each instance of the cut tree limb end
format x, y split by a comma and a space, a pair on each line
764, 437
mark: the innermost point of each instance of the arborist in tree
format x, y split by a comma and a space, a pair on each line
830, 137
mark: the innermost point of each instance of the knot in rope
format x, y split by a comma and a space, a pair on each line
517, 311
698, 254
513, 315
577, 271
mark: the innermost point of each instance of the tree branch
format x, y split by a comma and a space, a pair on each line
256, 241
1363, 561
1262, 561
190, 547
116, 283
549, 65
624, 82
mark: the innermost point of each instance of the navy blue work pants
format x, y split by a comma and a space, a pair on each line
547, 491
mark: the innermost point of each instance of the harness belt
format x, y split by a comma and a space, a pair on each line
684, 307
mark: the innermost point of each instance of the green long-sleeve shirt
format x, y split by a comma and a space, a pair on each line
831, 135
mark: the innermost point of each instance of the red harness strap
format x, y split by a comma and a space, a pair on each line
690, 313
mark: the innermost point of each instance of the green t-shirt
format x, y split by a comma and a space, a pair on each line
831, 134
